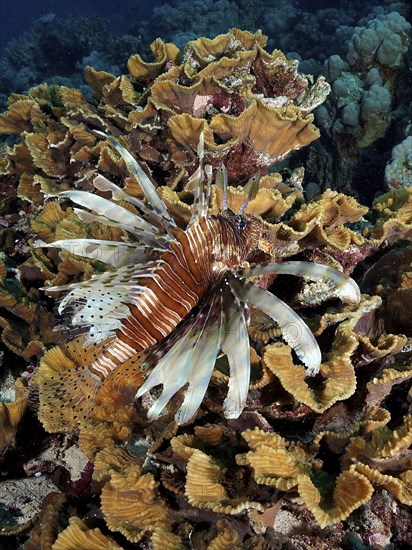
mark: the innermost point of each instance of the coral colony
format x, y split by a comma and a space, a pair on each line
190, 326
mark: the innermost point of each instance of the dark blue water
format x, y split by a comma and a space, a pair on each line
17, 16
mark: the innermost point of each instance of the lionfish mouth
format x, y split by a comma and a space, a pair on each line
158, 298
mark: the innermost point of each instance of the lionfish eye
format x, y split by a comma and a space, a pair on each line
241, 224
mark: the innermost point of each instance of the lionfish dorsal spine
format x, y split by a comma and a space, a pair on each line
222, 183
149, 190
251, 189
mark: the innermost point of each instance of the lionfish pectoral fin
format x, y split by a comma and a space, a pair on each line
236, 347
345, 287
203, 361
144, 181
294, 331
190, 360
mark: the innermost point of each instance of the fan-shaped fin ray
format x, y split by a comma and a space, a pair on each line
112, 253
294, 331
145, 183
191, 360
345, 287
236, 346
203, 362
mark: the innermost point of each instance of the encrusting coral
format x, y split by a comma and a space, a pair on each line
239, 430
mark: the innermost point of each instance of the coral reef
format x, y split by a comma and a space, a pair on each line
309, 458
366, 110
398, 172
362, 105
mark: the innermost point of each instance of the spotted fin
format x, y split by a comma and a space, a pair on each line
100, 303
294, 331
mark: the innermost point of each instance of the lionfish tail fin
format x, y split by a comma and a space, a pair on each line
69, 386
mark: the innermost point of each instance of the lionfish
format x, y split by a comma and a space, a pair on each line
181, 296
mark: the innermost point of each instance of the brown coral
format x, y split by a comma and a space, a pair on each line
130, 501
352, 489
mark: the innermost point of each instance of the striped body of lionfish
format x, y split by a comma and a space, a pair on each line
181, 296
